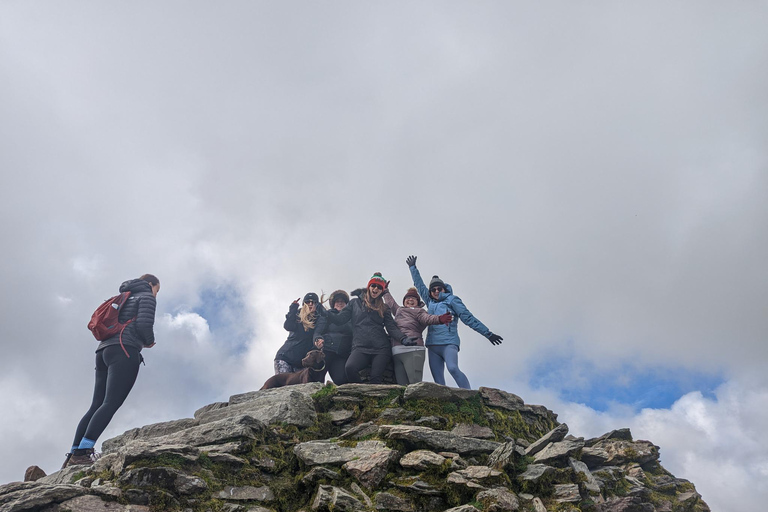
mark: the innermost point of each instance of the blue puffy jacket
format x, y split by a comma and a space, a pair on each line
446, 303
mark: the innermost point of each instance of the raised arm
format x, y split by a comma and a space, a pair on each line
418, 282
390, 301
292, 318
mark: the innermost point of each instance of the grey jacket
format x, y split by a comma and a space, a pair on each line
411, 321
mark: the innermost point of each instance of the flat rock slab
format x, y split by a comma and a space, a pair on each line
315, 453
558, 451
371, 469
432, 391
292, 405
567, 493
614, 452
362, 391
439, 440
387, 501
422, 459
94, 504
330, 498
37, 496
472, 430
247, 493
498, 500
535, 471
553, 436
501, 399
147, 432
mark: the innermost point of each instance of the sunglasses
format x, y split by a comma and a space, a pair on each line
310, 302
377, 286
436, 289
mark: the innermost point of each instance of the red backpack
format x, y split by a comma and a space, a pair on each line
104, 322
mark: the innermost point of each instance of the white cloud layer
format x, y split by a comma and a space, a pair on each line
589, 173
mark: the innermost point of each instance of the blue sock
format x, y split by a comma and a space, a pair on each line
86, 443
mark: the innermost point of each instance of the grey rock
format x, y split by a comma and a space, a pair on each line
93, 504
63, 476
622, 434
567, 493
553, 436
370, 469
392, 414
357, 490
535, 471
438, 439
149, 449
538, 506
106, 489
501, 399
319, 473
478, 473
498, 500
247, 493
231, 447
210, 407
625, 504
463, 508
362, 391
430, 390
167, 478
342, 416
612, 452
421, 460
147, 432
34, 495
291, 405
360, 431
592, 484
472, 430
504, 456
415, 485
330, 499
558, 452
436, 422
692, 496
386, 502
226, 458
314, 453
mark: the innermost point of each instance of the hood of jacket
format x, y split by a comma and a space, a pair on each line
135, 286
446, 293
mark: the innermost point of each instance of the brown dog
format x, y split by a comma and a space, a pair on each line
314, 371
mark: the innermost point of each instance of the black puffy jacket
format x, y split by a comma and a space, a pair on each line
141, 307
336, 338
300, 341
368, 328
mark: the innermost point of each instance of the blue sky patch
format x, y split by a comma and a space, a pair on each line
225, 310
580, 380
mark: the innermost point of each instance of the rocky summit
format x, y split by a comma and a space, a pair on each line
357, 447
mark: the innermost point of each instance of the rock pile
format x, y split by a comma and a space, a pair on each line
363, 447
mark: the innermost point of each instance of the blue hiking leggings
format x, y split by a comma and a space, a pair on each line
115, 376
441, 356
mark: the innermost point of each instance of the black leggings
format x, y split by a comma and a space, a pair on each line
115, 376
335, 364
358, 360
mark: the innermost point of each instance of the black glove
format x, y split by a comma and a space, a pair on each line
495, 339
357, 292
411, 261
409, 342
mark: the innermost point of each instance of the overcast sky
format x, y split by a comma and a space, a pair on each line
591, 178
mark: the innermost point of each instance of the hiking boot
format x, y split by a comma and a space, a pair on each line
66, 460
88, 456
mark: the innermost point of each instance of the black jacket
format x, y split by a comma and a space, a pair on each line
337, 338
368, 328
300, 341
141, 307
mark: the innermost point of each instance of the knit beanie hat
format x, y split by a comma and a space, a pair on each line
412, 292
311, 296
377, 279
338, 295
436, 281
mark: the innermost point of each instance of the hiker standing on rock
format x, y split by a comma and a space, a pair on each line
372, 328
301, 325
412, 319
443, 340
335, 340
117, 365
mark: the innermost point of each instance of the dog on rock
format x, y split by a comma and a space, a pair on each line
314, 371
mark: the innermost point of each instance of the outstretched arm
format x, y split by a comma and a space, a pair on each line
418, 282
390, 301
343, 316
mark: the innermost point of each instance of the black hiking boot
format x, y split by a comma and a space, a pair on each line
66, 460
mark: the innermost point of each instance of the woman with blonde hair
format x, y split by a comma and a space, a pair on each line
300, 323
372, 328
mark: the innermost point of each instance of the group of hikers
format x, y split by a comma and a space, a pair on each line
368, 331
371, 330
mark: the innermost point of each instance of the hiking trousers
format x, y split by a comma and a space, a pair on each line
115, 377
336, 366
